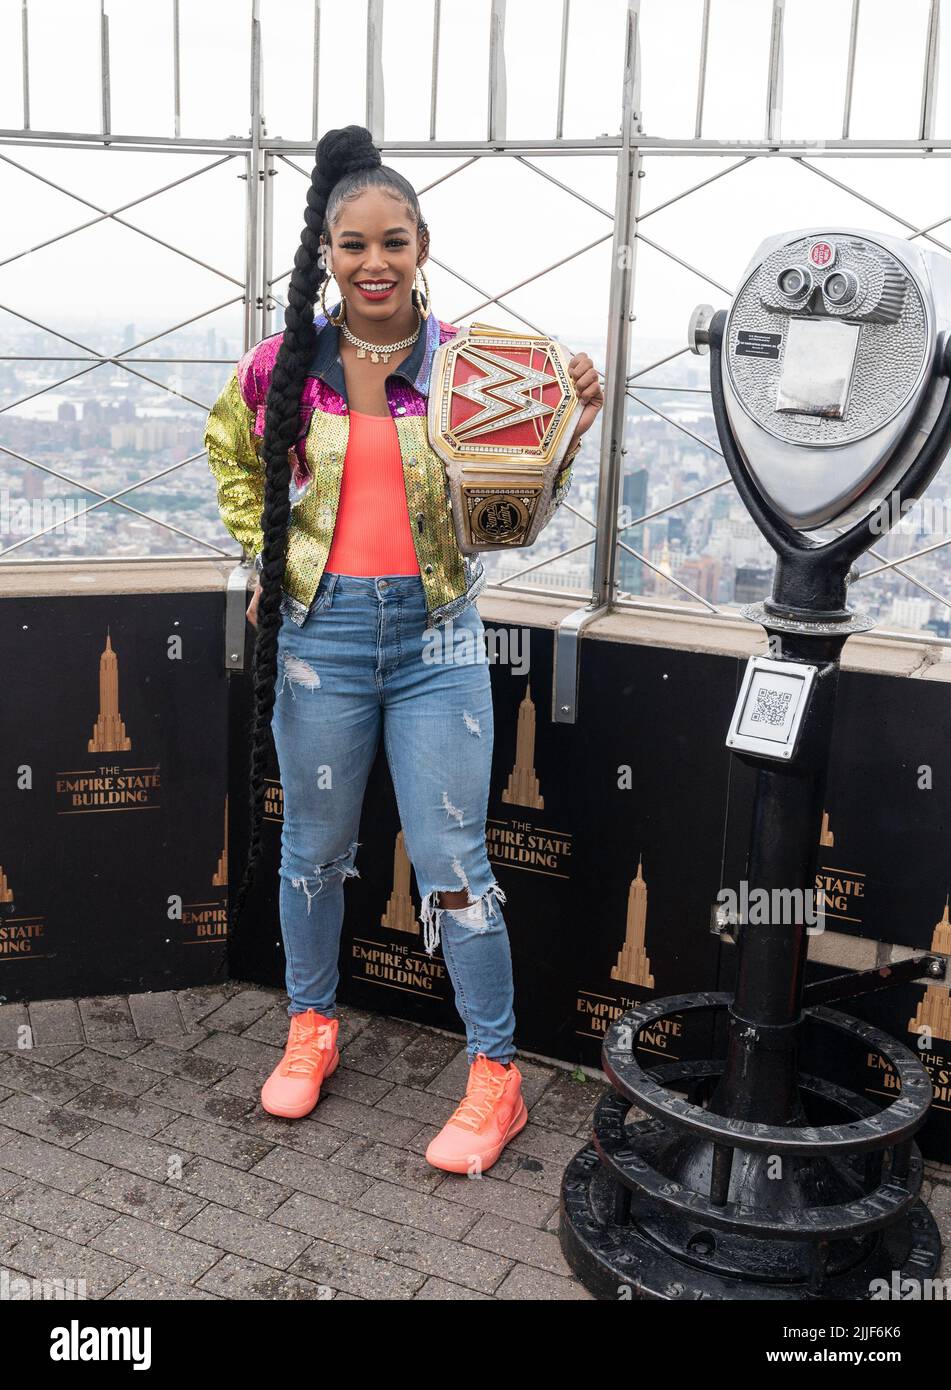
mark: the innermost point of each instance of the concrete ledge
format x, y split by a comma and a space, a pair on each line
174, 576
878, 652
881, 653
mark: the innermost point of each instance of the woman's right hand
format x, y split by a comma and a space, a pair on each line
253, 605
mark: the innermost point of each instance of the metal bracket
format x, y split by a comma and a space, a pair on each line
564, 695
724, 923
930, 967
236, 610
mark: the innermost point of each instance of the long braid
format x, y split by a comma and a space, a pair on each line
339, 153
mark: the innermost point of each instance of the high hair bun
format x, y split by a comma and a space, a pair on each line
345, 151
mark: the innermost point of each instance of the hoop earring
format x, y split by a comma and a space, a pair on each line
423, 307
342, 315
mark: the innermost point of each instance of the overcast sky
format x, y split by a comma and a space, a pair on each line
497, 221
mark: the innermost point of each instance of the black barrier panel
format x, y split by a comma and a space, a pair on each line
648, 783
113, 812
885, 847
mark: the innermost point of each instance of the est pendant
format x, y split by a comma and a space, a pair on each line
374, 356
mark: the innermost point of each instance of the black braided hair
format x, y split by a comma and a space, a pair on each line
347, 163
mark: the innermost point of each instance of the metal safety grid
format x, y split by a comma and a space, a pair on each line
626, 227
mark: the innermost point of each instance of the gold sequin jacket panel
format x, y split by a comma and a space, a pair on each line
451, 580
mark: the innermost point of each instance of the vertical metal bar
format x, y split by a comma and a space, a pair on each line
901, 1161
496, 127
702, 75
774, 83
434, 76
374, 104
720, 1171
929, 81
873, 1168
267, 243
818, 1274
622, 1204
25, 48
252, 259
316, 84
562, 69
105, 90
850, 70
623, 254
177, 67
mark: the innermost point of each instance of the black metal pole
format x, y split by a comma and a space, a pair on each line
760, 1078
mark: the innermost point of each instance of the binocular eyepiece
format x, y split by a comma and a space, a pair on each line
834, 367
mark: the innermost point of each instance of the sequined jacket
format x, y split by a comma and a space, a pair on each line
233, 437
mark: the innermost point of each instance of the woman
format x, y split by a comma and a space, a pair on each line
353, 587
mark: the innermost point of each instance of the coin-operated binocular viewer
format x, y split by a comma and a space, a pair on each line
749, 1178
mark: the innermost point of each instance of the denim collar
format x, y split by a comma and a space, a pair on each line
416, 370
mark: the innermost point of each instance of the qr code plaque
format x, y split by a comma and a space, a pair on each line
772, 707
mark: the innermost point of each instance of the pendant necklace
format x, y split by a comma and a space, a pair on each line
379, 351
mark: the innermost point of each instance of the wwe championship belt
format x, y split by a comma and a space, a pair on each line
502, 410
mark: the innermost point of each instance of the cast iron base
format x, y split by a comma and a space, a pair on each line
618, 1260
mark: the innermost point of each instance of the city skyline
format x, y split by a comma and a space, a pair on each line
127, 429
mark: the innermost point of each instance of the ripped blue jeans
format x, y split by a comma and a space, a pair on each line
363, 663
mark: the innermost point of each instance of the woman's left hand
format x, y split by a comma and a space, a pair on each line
585, 376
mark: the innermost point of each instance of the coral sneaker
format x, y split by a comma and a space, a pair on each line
293, 1088
479, 1128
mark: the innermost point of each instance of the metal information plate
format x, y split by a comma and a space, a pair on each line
771, 706
818, 367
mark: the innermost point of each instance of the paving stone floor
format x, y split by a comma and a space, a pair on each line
134, 1154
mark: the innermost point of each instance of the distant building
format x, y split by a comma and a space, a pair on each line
147, 436
34, 483
676, 529
752, 584
630, 572
910, 613
702, 574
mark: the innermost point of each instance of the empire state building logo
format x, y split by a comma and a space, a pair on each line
219, 878
934, 1011
109, 735
20, 936
522, 788
633, 965
400, 915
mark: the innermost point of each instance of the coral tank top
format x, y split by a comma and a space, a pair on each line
372, 533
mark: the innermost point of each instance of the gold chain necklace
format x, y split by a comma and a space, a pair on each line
380, 351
